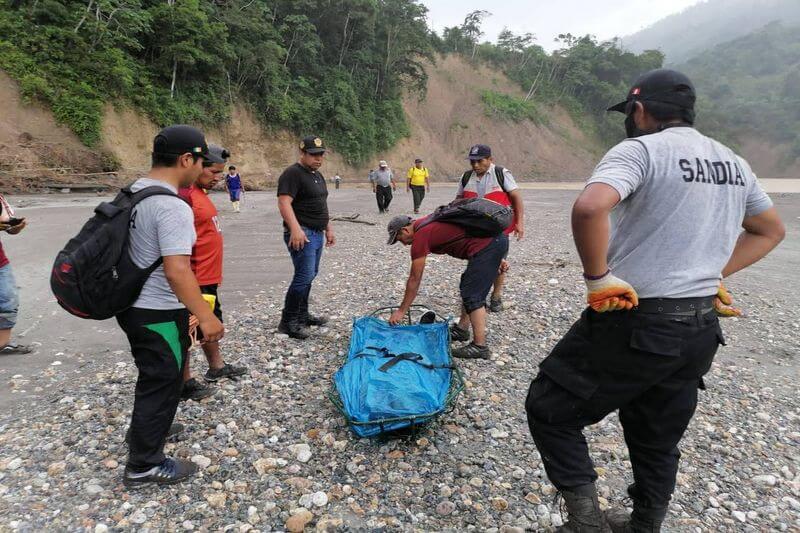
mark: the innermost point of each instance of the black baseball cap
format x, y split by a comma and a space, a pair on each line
395, 225
217, 154
418, 160
661, 85
312, 145
180, 139
478, 152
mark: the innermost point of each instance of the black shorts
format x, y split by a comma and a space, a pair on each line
211, 289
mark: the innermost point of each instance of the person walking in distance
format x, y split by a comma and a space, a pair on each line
382, 185
207, 267
157, 325
337, 181
678, 202
487, 180
418, 181
303, 204
233, 184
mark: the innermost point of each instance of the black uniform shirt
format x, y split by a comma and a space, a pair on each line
309, 195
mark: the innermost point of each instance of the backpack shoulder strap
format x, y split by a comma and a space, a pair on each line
147, 192
499, 173
465, 179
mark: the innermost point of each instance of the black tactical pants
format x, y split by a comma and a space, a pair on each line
647, 366
159, 341
384, 197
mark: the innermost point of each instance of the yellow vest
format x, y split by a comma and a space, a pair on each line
417, 175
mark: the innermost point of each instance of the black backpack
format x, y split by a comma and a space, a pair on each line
498, 172
479, 217
94, 276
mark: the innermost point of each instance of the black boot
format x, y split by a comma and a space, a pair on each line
306, 318
643, 519
314, 320
583, 511
290, 318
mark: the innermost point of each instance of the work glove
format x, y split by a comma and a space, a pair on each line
723, 301
609, 293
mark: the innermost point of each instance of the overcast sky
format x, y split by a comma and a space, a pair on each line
547, 18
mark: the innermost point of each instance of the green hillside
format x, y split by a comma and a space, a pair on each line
336, 67
751, 86
584, 76
700, 27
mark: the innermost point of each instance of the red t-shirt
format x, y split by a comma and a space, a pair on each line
443, 238
207, 251
3, 258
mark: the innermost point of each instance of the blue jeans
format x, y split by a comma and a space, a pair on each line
306, 266
9, 298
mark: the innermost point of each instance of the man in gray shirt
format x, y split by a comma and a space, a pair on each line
382, 185
677, 203
157, 325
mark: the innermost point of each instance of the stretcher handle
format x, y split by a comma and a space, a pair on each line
414, 307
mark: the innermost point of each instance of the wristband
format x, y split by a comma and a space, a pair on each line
595, 278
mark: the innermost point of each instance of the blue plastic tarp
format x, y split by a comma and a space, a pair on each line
408, 390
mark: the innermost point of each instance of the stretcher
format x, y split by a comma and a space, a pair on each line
396, 379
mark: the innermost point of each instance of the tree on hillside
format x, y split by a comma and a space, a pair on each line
184, 41
404, 44
471, 28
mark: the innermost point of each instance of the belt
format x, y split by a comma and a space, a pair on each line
676, 306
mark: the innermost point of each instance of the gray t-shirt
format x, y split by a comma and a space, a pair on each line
160, 226
382, 177
487, 185
684, 196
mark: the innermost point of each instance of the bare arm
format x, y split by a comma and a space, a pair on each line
412, 288
297, 239
590, 226
413, 283
330, 236
178, 270
519, 213
762, 233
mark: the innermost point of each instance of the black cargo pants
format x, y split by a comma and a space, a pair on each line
647, 366
159, 341
384, 197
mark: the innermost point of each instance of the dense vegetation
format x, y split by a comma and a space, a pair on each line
751, 85
340, 67
336, 67
585, 76
510, 107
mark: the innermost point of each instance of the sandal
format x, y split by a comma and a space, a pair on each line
15, 349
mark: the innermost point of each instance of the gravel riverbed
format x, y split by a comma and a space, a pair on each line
275, 455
